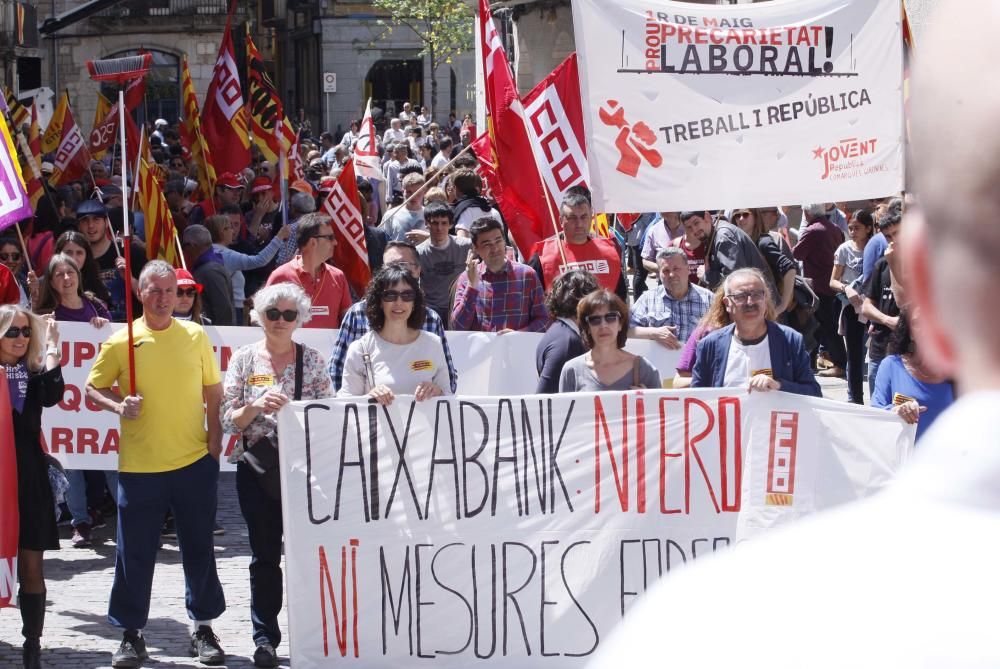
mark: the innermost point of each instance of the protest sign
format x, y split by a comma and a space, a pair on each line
9, 517
710, 106
516, 532
81, 436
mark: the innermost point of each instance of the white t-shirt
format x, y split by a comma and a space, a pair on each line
439, 160
472, 214
746, 361
852, 260
400, 366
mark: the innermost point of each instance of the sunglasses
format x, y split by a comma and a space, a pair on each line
290, 315
10, 257
393, 295
610, 317
187, 292
16, 332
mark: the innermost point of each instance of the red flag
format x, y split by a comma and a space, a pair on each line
224, 121
105, 133
343, 205
554, 118
524, 204
135, 92
72, 157
483, 148
8, 498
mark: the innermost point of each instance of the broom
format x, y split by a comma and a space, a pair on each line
121, 71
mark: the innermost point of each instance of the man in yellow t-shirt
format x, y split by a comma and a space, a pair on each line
167, 460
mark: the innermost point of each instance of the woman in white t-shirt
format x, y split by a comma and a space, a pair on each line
847, 267
396, 356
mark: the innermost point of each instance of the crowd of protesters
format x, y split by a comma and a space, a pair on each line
765, 298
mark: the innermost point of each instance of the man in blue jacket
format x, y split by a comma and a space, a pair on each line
754, 350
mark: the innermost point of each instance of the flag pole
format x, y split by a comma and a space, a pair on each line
180, 250
427, 185
24, 247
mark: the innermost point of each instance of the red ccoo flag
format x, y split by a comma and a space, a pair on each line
523, 201
343, 205
224, 121
8, 498
72, 157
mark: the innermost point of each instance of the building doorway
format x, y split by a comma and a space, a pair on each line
390, 83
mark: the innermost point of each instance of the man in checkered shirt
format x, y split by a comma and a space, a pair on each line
496, 294
670, 313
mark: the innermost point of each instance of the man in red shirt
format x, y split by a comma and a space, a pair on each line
325, 285
600, 256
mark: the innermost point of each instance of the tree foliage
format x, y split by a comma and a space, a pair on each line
444, 27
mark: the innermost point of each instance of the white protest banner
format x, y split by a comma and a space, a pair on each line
694, 107
515, 532
81, 436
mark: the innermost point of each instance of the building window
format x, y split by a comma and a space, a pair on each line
163, 91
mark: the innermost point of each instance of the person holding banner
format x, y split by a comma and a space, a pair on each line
396, 357
167, 460
263, 377
29, 352
603, 319
75, 245
753, 350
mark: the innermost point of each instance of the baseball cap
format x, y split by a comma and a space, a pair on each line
184, 278
90, 208
160, 122
303, 187
261, 185
228, 180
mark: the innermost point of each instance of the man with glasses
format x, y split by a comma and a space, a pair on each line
355, 323
496, 294
753, 351
325, 285
228, 190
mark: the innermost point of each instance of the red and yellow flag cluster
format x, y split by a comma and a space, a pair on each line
159, 221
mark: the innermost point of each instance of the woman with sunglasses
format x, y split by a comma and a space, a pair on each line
260, 380
188, 306
29, 352
12, 258
603, 321
63, 296
395, 357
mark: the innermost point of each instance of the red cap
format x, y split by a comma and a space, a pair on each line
228, 180
303, 187
260, 185
184, 278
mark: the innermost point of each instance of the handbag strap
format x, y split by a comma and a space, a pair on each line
635, 372
366, 356
299, 356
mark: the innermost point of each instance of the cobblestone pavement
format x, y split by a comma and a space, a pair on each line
78, 636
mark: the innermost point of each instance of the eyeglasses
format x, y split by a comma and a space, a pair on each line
14, 256
741, 214
393, 295
187, 292
596, 319
16, 332
290, 315
749, 296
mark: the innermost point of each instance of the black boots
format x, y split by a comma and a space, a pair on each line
33, 619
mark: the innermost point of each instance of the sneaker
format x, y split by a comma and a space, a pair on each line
97, 521
169, 531
205, 646
265, 656
219, 530
81, 536
131, 653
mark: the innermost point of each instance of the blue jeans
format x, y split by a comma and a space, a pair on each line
872, 373
191, 493
76, 496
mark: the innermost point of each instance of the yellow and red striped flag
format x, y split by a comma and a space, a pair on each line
192, 136
159, 221
103, 108
267, 111
16, 112
54, 130
31, 161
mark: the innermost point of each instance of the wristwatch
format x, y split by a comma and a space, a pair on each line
55, 352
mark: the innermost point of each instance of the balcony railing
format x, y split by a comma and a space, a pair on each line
167, 8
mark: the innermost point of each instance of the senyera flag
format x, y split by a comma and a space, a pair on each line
366, 159
8, 498
269, 126
343, 206
224, 119
554, 119
193, 138
524, 203
72, 157
14, 202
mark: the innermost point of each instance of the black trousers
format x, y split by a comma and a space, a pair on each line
828, 315
854, 338
264, 529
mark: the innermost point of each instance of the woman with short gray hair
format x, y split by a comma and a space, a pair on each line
263, 377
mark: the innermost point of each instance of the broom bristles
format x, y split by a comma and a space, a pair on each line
120, 69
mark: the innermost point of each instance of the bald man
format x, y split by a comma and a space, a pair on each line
907, 578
